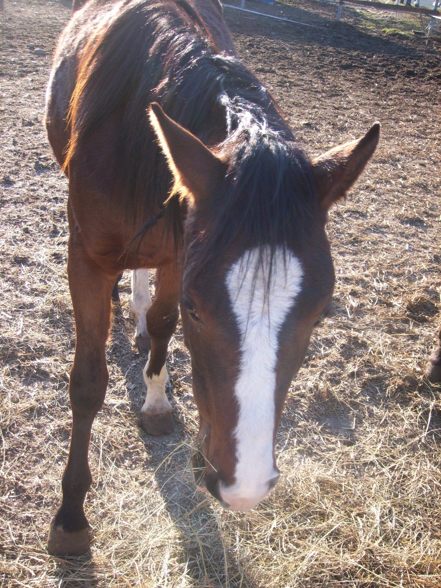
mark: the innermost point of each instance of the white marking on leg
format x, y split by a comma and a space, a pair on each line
140, 300
156, 401
260, 315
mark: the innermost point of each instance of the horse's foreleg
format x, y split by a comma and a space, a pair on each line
434, 367
91, 291
156, 413
140, 303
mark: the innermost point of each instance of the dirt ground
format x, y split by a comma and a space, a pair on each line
359, 501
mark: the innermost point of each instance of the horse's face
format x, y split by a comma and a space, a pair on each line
247, 334
248, 317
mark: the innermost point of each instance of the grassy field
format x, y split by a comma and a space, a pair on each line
359, 501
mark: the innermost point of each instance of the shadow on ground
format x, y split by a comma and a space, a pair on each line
70, 569
208, 560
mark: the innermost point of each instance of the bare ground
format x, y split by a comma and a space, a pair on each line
359, 503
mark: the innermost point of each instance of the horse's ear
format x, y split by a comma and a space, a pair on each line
194, 167
336, 170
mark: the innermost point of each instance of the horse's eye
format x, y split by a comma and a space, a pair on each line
193, 314
191, 311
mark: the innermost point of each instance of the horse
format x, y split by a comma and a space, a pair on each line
178, 159
433, 370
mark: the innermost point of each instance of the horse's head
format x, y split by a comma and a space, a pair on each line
252, 292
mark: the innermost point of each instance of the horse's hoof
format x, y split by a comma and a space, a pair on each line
433, 373
142, 343
157, 424
62, 543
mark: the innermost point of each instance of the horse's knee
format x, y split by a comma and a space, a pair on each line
88, 383
160, 324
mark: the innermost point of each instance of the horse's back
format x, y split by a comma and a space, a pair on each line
84, 25
89, 24
100, 87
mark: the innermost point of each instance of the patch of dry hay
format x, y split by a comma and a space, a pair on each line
358, 504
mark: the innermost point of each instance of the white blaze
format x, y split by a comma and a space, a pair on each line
260, 314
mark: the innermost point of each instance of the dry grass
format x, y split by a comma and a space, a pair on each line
359, 502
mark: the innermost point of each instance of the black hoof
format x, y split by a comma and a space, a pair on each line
62, 543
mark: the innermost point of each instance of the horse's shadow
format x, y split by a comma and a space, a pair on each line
77, 571
207, 558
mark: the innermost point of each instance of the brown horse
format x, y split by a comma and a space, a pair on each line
215, 195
